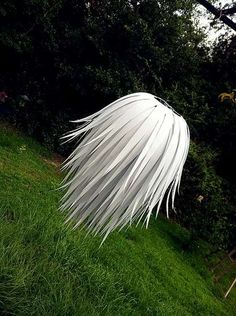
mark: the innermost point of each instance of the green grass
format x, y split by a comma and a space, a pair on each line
48, 269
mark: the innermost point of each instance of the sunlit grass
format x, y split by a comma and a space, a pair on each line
48, 269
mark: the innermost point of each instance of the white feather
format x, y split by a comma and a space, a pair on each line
130, 155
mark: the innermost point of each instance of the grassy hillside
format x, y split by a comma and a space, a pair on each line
47, 269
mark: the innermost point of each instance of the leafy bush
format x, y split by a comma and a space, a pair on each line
70, 58
204, 206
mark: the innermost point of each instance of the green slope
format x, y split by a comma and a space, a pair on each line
47, 269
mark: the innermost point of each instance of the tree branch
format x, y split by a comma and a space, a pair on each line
218, 13
229, 11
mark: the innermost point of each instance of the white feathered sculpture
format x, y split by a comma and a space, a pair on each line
130, 154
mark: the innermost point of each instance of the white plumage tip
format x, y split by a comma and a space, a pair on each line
130, 155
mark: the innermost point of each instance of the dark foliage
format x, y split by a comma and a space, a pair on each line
70, 58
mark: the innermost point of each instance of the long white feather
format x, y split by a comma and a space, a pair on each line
130, 154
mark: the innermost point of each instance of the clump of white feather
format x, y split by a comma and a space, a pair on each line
131, 153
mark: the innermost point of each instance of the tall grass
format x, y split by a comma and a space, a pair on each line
48, 269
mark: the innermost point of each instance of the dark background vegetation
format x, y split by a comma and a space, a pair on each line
64, 59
